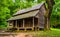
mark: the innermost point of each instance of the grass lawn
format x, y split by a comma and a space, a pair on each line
52, 33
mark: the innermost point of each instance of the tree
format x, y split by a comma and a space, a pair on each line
55, 16
4, 12
50, 4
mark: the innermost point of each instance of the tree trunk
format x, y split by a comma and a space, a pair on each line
47, 23
50, 4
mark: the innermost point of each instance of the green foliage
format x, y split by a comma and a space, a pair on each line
55, 16
4, 11
9, 7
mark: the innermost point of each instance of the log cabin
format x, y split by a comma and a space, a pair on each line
30, 18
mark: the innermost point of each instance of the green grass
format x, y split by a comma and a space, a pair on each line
52, 33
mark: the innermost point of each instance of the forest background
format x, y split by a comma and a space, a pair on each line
9, 7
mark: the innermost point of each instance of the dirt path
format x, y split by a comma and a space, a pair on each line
24, 35
17, 35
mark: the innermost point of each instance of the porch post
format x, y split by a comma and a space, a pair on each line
38, 24
16, 24
8, 26
33, 21
33, 24
23, 22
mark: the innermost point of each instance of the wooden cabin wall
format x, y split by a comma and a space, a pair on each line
28, 22
10, 24
36, 22
14, 23
43, 9
20, 23
41, 18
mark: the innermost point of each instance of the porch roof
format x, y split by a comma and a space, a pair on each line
26, 15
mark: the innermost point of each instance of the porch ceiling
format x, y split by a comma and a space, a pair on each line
26, 15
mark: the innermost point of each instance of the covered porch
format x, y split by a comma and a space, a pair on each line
27, 23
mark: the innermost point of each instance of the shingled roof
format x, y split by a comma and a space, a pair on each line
29, 9
30, 12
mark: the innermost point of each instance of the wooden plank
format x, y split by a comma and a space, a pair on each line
33, 24
8, 26
33, 21
16, 24
38, 24
23, 22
